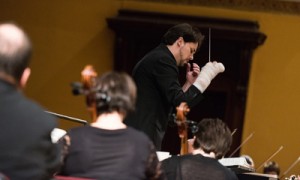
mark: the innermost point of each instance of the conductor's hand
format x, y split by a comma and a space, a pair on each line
192, 74
207, 74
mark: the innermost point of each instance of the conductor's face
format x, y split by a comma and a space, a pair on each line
187, 51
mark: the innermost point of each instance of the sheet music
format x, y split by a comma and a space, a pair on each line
241, 161
237, 164
56, 134
162, 155
257, 176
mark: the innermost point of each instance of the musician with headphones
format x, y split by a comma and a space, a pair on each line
107, 148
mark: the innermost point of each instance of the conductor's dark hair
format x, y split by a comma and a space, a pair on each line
213, 135
115, 91
184, 30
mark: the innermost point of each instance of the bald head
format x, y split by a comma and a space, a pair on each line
12, 39
15, 51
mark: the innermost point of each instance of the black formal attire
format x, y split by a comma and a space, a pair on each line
26, 149
122, 154
196, 167
158, 93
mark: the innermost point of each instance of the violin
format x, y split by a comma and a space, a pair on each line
181, 121
87, 87
88, 79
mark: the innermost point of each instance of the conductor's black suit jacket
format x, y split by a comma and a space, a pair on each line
159, 92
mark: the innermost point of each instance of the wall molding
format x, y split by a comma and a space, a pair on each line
270, 6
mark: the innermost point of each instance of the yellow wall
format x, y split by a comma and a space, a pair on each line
69, 34
66, 36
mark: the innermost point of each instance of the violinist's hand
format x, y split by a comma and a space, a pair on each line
207, 74
191, 75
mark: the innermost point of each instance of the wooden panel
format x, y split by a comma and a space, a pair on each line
273, 6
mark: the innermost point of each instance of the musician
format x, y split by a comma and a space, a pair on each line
271, 167
108, 149
212, 141
156, 76
26, 148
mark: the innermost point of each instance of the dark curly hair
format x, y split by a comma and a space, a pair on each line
213, 135
186, 31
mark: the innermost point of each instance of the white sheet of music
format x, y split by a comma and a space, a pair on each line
56, 134
162, 155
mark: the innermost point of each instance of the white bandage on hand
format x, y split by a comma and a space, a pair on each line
208, 73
